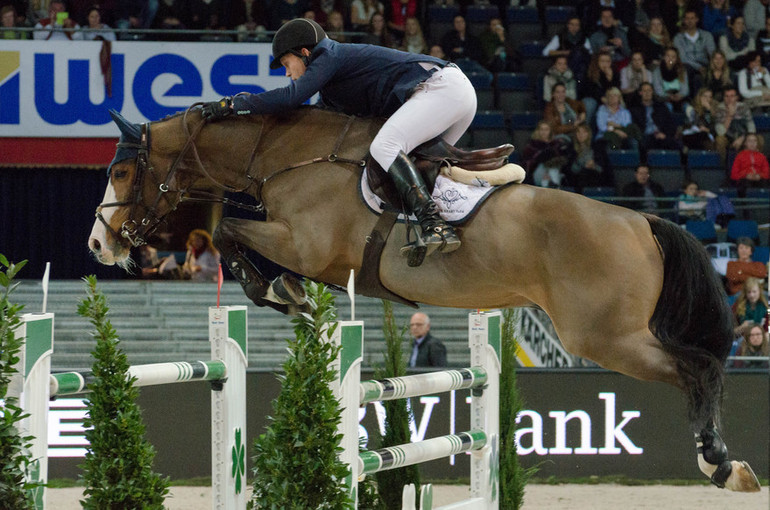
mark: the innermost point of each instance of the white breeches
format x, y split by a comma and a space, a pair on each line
443, 105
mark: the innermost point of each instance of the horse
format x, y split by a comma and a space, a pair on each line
632, 292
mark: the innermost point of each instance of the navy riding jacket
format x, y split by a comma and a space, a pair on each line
356, 79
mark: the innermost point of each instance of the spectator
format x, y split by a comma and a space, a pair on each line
559, 72
414, 41
206, 14
736, 44
754, 344
282, 11
248, 18
335, 26
750, 168
614, 126
585, 168
611, 37
58, 26
717, 77
202, 260
643, 187
733, 122
459, 43
751, 306
437, 51
675, 12
656, 40
600, 78
361, 12
172, 15
633, 75
100, 30
692, 202
544, 156
670, 81
754, 83
622, 10
695, 47
716, 15
135, 14
8, 15
657, 126
572, 43
762, 42
738, 271
755, 12
426, 350
699, 127
397, 12
377, 34
499, 53
562, 113
323, 9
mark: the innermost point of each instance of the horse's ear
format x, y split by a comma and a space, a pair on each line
131, 131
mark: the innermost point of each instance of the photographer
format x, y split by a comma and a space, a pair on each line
58, 26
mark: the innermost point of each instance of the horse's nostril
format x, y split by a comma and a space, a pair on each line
96, 246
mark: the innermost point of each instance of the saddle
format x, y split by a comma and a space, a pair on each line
428, 158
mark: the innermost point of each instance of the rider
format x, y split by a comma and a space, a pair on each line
422, 96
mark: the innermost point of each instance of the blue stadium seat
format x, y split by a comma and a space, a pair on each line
742, 228
468, 65
442, 13
515, 92
598, 191
664, 159
522, 124
481, 14
522, 14
761, 254
697, 159
488, 119
489, 129
485, 96
623, 158
558, 13
531, 49
703, 230
513, 81
762, 122
728, 192
759, 193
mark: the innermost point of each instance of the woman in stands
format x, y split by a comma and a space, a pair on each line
717, 77
751, 306
670, 81
736, 44
202, 260
600, 78
699, 128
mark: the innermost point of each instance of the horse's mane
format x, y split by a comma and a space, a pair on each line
301, 112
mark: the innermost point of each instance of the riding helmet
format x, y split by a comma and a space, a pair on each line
297, 33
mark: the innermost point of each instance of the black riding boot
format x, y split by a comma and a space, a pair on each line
436, 234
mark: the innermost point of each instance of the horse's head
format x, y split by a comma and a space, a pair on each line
142, 189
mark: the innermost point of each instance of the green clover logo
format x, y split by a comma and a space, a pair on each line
239, 461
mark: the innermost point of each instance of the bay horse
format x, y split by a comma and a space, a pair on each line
632, 292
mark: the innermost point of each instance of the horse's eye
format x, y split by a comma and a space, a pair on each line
120, 174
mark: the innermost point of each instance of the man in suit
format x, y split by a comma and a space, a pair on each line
426, 350
655, 121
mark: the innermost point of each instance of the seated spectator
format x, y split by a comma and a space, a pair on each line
695, 47
754, 83
736, 44
643, 187
9, 20
717, 77
172, 14
733, 122
633, 75
755, 12
202, 260
437, 51
572, 43
135, 14
282, 11
692, 202
544, 157
611, 37
751, 306
600, 78
248, 18
750, 168
674, 13
563, 114
322, 9
58, 26
738, 271
413, 41
754, 344
715, 16
377, 34
499, 53
396, 12
335, 26
654, 43
655, 122
614, 126
670, 81
622, 10
762, 42
586, 169
459, 43
100, 30
699, 127
361, 12
559, 72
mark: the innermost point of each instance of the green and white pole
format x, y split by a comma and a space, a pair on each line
34, 368
228, 334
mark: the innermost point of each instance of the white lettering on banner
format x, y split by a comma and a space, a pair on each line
612, 432
542, 348
52, 90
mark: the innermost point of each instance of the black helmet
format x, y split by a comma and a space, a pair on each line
297, 33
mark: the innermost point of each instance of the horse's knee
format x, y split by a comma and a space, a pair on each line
223, 237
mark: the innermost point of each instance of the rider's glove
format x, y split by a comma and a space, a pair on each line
217, 110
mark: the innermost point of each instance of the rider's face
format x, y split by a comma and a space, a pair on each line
294, 65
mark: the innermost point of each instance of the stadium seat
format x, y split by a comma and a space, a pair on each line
666, 168
623, 158
697, 159
761, 254
742, 228
657, 158
703, 230
758, 193
706, 169
558, 13
728, 192
762, 122
522, 14
440, 20
514, 92
489, 129
485, 96
523, 24
598, 191
522, 124
479, 15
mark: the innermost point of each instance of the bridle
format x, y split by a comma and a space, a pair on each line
137, 233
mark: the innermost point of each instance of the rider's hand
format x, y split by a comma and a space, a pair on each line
217, 110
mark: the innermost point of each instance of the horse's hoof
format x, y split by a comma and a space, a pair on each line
742, 478
286, 290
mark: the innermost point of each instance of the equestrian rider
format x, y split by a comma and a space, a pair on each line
423, 97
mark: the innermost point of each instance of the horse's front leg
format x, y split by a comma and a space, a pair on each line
284, 293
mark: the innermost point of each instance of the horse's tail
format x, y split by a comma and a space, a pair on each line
692, 320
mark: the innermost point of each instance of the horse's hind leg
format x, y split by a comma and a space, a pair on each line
282, 294
724, 473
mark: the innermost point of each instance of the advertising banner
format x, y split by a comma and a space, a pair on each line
66, 88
